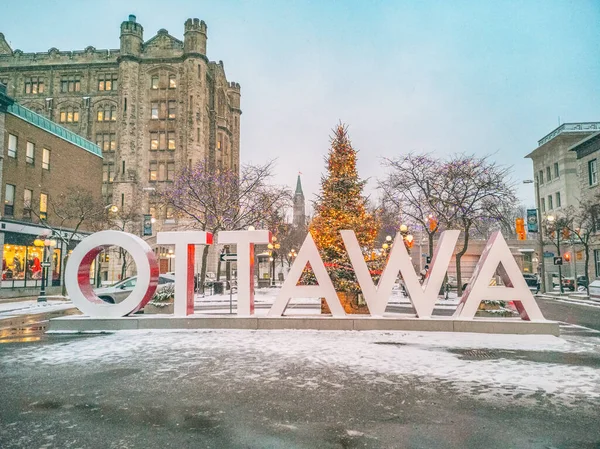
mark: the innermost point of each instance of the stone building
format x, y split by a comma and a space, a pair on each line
153, 106
40, 161
558, 186
588, 156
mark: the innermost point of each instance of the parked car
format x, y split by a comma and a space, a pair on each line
582, 281
567, 283
119, 291
452, 282
533, 281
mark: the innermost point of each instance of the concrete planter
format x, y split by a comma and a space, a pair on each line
167, 309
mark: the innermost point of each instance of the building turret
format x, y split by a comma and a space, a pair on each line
132, 38
194, 37
233, 92
299, 206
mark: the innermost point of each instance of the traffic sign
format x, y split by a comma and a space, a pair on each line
45, 264
558, 260
228, 257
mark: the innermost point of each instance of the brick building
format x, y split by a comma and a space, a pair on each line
39, 161
152, 106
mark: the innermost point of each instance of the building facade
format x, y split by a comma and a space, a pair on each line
557, 180
40, 161
588, 156
153, 106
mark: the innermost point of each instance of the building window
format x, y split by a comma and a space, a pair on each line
171, 171
541, 176
557, 199
69, 115
46, 159
12, 145
106, 141
549, 202
172, 81
70, 83
9, 199
161, 171
108, 173
171, 136
107, 113
543, 204
556, 171
154, 82
153, 171
154, 141
30, 153
548, 174
593, 172
27, 197
43, 206
170, 214
597, 261
107, 81
34, 85
155, 110
172, 109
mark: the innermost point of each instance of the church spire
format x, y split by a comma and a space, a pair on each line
299, 206
299, 186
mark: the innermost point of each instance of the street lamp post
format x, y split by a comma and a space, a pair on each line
45, 243
540, 235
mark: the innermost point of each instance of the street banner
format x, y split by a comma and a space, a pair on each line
532, 220
147, 228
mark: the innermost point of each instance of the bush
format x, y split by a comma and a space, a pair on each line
163, 297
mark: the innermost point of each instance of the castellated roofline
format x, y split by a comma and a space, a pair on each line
195, 25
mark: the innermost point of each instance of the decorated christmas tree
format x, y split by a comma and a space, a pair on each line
340, 206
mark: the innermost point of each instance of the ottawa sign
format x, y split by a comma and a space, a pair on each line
423, 296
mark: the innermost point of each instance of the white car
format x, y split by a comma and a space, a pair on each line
118, 292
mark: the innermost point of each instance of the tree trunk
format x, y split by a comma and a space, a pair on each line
62, 275
219, 267
587, 268
458, 257
430, 236
203, 269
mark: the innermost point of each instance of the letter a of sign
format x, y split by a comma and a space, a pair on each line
495, 253
307, 254
423, 298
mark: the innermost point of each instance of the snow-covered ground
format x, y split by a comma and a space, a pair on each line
11, 309
259, 356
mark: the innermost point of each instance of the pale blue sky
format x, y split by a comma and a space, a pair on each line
441, 76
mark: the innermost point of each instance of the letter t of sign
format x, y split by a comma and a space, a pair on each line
245, 241
184, 265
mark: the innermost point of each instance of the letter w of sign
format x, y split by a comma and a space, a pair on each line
422, 297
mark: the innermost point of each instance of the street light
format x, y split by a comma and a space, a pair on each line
45, 243
540, 235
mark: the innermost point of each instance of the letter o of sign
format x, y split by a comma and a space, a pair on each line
77, 274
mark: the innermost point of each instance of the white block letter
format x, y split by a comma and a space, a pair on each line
423, 298
497, 252
77, 274
307, 254
184, 265
245, 241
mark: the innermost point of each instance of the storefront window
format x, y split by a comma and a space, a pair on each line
21, 262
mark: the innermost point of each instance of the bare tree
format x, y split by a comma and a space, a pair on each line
475, 189
583, 224
412, 191
220, 200
67, 215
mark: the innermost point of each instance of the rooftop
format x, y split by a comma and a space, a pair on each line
570, 128
51, 127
